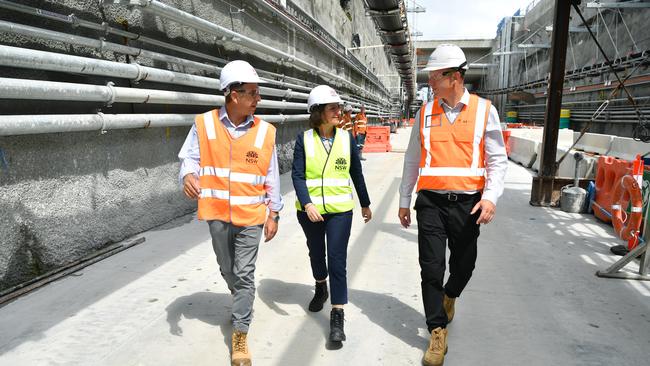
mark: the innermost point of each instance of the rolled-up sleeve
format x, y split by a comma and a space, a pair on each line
190, 155
411, 169
496, 159
272, 185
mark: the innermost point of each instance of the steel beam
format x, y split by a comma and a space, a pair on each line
618, 5
548, 166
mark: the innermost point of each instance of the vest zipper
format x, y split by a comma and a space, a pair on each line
322, 177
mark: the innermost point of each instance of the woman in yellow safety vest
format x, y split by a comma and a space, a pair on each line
325, 165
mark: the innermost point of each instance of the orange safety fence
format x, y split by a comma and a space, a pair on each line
609, 174
377, 139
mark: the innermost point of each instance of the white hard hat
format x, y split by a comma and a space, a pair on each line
238, 71
446, 56
322, 94
347, 108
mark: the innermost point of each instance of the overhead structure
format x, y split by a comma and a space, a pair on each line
391, 22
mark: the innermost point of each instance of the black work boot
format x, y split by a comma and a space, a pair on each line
336, 325
320, 296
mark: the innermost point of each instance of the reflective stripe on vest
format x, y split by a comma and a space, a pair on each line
452, 155
233, 171
361, 123
346, 123
328, 174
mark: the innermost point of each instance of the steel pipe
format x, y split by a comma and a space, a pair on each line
56, 123
41, 60
160, 9
100, 45
104, 27
305, 30
109, 94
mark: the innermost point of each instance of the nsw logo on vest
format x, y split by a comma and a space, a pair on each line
251, 157
340, 164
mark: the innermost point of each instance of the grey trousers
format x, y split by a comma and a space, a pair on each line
236, 250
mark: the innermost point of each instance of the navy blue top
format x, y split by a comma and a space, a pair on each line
298, 172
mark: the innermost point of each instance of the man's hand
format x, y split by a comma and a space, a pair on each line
312, 213
487, 211
366, 213
405, 216
271, 227
191, 186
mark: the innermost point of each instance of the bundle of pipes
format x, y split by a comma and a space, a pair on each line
50, 61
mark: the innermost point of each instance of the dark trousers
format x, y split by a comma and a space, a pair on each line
336, 228
361, 140
445, 219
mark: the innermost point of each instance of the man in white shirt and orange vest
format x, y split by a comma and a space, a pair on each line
457, 156
229, 163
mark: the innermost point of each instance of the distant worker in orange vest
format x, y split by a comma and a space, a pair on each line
229, 164
360, 129
346, 119
457, 157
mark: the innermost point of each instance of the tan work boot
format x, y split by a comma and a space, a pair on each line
240, 354
448, 303
435, 354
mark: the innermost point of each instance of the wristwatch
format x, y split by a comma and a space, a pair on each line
276, 218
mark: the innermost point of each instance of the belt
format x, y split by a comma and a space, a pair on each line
453, 197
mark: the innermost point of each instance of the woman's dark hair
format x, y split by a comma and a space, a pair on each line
316, 116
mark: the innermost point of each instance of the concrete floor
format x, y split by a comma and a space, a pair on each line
533, 300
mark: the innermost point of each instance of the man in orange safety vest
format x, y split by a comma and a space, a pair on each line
229, 164
457, 157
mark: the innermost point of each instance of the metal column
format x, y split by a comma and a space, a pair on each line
543, 184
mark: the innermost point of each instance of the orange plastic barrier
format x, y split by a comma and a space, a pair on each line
521, 125
609, 174
506, 137
377, 139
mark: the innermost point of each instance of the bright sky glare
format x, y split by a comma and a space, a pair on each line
461, 19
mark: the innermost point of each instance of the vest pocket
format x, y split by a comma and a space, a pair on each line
440, 136
464, 136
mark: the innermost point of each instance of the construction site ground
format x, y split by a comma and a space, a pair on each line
533, 298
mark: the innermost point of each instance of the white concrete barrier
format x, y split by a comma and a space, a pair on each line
626, 148
523, 150
567, 167
564, 138
594, 142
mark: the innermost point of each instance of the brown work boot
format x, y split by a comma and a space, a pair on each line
435, 354
448, 303
240, 354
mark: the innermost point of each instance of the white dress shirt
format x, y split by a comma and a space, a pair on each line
190, 157
496, 159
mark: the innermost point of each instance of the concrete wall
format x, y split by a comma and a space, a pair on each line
610, 28
64, 196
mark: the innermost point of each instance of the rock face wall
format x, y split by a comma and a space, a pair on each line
65, 195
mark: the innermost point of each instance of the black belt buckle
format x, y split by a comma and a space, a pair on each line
453, 197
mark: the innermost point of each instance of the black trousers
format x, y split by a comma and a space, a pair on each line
333, 252
445, 219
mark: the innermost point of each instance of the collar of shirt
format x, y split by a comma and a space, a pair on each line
223, 117
464, 100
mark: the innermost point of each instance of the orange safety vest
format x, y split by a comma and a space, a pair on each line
452, 156
233, 171
346, 122
360, 123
